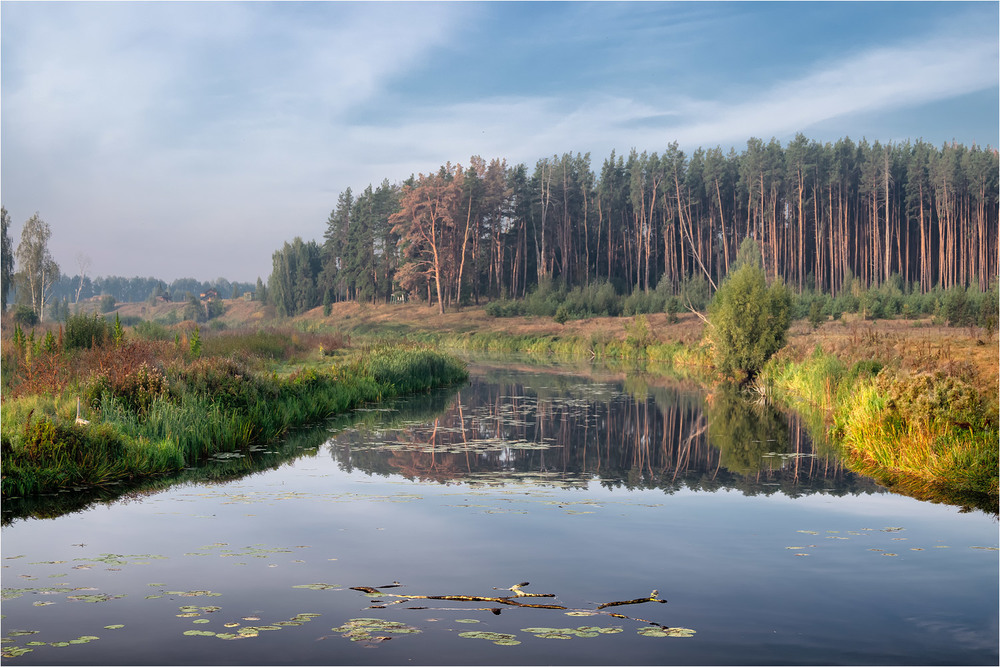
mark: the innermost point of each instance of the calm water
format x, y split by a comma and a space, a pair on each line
592, 489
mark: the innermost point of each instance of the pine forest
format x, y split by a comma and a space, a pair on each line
826, 217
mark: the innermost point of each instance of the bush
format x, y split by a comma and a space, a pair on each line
694, 291
151, 330
107, 303
957, 308
136, 390
85, 331
505, 308
816, 315
749, 318
25, 316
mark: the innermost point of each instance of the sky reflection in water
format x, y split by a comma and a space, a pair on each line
620, 491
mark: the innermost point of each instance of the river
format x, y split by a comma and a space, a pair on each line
524, 518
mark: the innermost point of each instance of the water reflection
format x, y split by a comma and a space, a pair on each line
568, 431
553, 426
228, 466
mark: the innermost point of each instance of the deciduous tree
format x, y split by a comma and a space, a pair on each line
38, 270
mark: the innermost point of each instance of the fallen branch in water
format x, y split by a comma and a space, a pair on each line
653, 597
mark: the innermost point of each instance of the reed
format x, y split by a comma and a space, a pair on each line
154, 421
930, 435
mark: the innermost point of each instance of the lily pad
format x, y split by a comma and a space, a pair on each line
319, 587
364, 629
100, 597
657, 631
116, 626
22, 633
498, 638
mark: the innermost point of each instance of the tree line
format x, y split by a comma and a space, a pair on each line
825, 217
35, 280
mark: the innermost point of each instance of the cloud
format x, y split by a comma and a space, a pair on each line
200, 125
207, 125
880, 80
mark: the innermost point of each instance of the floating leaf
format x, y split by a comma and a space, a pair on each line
466, 620
100, 597
199, 633
201, 620
116, 626
361, 629
666, 632
319, 587
498, 638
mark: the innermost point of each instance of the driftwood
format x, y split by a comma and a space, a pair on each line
507, 600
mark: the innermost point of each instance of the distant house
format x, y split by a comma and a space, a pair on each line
248, 296
163, 297
209, 295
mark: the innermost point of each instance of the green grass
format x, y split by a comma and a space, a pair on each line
874, 415
205, 407
932, 436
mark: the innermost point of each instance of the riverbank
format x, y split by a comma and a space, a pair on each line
120, 412
909, 403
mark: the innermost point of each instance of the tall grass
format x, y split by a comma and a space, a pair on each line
148, 418
928, 435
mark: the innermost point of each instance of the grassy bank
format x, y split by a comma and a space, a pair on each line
905, 405
928, 434
154, 407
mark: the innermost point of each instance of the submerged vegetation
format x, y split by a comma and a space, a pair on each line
78, 416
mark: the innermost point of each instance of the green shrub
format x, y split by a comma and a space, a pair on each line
150, 330
749, 318
25, 315
85, 331
136, 391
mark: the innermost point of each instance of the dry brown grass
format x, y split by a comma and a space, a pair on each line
913, 345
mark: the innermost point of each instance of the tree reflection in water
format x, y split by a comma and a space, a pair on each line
569, 431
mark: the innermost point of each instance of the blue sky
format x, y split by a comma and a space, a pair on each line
191, 139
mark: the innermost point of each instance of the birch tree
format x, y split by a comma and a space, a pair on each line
38, 270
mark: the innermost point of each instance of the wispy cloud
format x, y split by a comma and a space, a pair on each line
879, 80
120, 119
208, 125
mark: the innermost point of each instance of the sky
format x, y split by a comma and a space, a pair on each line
192, 139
